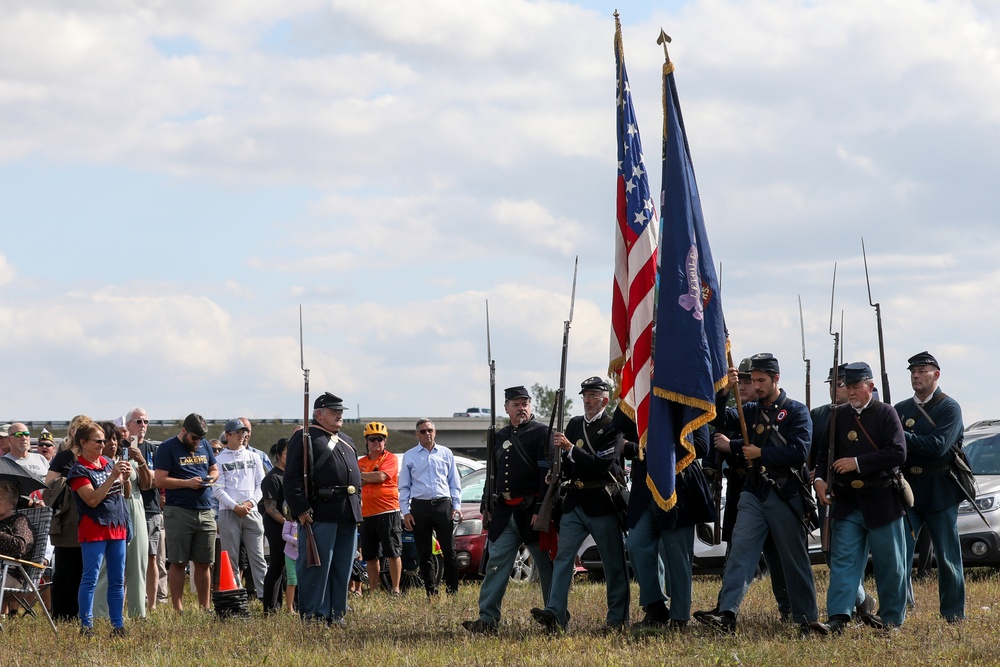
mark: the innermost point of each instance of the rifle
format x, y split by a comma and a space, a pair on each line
878, 321
802, 329
312, 552
544, 518
825, 539
491, 465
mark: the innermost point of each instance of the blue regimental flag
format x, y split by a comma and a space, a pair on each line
689, 352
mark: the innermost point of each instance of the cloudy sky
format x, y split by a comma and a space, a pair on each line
176, 178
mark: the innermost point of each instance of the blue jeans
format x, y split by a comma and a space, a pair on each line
573, 530
94, 554
850, 544
323, 590
943, 527
756, 520
502, 553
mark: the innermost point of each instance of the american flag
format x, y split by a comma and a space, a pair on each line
633, 301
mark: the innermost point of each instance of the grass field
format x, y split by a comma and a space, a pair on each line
412, 631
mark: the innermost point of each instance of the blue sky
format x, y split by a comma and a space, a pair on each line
175, 179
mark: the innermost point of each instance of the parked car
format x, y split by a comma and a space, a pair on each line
466, 465
981, 542
483, 413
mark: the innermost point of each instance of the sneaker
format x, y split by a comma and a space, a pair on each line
481, 627
86, 632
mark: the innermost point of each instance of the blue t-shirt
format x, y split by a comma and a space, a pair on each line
180, 463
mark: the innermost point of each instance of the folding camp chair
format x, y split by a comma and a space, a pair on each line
19, 578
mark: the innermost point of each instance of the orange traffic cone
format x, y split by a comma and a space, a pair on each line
227, 580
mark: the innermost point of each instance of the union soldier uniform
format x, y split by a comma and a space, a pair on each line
867, 511
592, 475
335, 502
521, 463
931, 429
734, 468
771, 502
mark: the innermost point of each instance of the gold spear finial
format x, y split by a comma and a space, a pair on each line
664, 39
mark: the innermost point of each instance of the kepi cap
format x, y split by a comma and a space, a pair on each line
922, 359
595, 383
859, 371
510, 393
840, 373
328, 400
765, 362
743, 370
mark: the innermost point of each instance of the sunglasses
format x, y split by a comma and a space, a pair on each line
426, 430
21, 434
102, 441
216, 451
141, 421
376, 438
46, 444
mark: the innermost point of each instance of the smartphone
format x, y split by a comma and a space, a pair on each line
133, 441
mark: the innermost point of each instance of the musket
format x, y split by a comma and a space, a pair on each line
312, 552
544, 518
491, 465
802, 329
833, 415
878, 322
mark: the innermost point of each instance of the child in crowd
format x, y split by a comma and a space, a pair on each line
290, 533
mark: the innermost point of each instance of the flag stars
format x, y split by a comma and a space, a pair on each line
640, 218
630, 186
637, 171
631, 129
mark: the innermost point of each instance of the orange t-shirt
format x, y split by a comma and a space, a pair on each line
383, 497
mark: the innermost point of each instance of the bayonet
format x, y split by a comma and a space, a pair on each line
802, 330
878, 321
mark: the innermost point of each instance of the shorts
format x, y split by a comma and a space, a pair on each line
291, 579
154, 526
190, 535
382, 529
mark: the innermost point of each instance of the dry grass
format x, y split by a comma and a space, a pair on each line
411, 631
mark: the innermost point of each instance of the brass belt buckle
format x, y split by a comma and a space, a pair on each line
857, 484
578, 484
916, 470
351, 490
